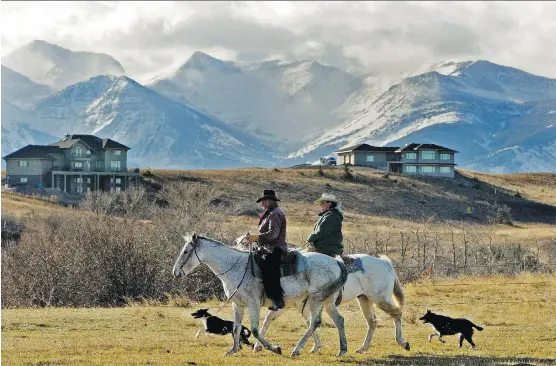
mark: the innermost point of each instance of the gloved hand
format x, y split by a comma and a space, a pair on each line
252, 238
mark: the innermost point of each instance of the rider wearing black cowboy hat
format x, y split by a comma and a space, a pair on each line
272, 237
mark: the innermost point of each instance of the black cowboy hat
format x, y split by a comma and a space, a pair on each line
268, 194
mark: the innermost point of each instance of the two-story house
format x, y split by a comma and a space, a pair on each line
75, 164
412, 159
426, 159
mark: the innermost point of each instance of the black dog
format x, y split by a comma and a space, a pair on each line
444, 325
215, 325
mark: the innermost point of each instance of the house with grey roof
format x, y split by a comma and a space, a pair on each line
75, 164
412, 159
377, 157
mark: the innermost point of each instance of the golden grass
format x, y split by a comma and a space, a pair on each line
540, 187
515, 331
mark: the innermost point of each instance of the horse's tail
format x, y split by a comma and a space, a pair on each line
398, 290
338, 284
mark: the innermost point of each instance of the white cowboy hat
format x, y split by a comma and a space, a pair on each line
328, 197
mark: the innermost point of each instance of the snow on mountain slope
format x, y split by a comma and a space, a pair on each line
18, 130
20, 91
58, 67
463, 109
288, 102
161, 132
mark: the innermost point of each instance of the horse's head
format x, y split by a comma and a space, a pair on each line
188, 259
242, 242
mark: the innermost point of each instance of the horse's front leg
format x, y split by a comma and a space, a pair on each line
254, 310
238, 319
270, 317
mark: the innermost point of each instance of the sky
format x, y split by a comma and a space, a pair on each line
364, 37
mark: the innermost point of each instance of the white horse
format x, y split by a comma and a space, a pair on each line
317, 287
377, 284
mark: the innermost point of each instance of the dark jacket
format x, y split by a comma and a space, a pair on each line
272, 229
327, 236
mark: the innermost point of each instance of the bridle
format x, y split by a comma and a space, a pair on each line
194, 245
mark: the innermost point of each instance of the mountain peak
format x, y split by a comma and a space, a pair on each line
201, 61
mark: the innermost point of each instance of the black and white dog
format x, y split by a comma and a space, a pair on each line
216, 325
444, 325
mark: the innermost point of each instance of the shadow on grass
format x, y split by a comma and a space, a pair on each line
425, 360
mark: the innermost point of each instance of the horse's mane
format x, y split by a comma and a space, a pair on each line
219, 243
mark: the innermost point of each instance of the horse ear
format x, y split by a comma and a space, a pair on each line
194, 237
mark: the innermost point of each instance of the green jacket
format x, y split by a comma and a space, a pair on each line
327, 236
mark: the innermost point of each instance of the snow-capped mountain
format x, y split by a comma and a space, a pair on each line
52, 65
21, 91
467, 108
18, 129
214, 113
285, 103
161, 132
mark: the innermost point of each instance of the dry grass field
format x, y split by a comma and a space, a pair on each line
519, 316
382, 210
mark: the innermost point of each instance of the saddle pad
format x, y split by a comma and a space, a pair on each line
353, 264
290, 268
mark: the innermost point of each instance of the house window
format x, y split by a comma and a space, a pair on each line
118, 189
78, 152
118, 152
428, 155
370, 158
427, 169
23, 180
77, 165
445, 169
115, 165
411, 156
88, 180
79, 189
79, 180
22, 164
410, 169
118, 180
444, 156
88, 152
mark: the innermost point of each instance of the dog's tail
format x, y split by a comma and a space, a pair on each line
398, 289
476, 327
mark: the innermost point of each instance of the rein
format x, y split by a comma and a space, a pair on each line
218, 275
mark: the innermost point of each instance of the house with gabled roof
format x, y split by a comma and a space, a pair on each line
412, 159
75, 164
376, 157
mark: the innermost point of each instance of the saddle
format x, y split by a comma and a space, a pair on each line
292, 263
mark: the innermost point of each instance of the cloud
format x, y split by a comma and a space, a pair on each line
369, 36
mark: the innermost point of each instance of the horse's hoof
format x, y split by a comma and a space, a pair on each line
407, 348
341, 353
230, 352
315, 349
295, 354
277, 350
361, 350
257, 348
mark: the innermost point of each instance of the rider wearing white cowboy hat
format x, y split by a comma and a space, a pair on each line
327, 235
